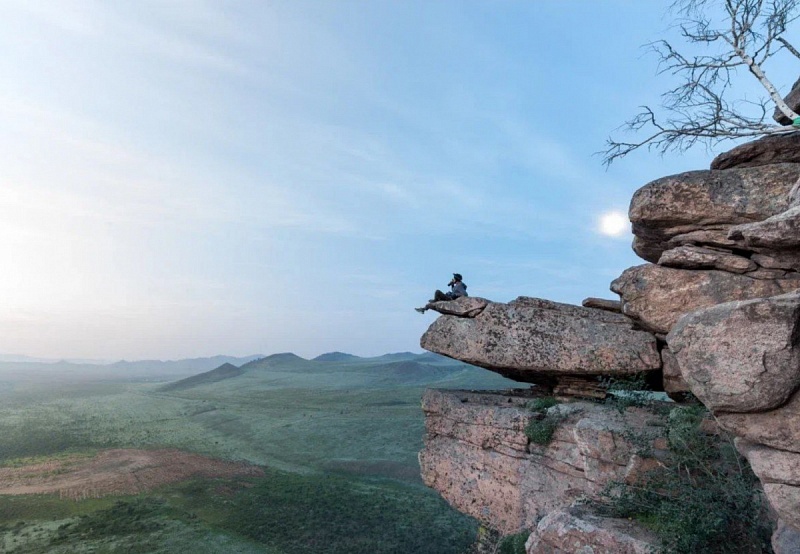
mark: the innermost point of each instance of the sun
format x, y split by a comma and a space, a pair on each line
614, 224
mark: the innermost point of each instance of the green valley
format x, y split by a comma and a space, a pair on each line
336, 439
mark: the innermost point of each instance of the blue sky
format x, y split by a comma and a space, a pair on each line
186, 178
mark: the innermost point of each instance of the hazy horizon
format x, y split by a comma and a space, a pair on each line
186, 178
24, 358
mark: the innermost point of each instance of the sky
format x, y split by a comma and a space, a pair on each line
185, 178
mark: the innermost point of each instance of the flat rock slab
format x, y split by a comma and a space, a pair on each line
699, 257
697, 200
530, 337
465, 306
786, 260
764, 151
658, 296
602, 304
779, 232
562, 532
741, 356
715, 238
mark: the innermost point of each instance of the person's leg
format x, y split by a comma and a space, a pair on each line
439, 296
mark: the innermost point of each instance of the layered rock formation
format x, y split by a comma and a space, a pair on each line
714, 314
656, 296
478, 456
699, 207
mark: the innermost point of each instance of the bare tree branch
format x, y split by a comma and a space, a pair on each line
788, 46
699, 109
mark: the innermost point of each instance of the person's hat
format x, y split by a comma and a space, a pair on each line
457, 276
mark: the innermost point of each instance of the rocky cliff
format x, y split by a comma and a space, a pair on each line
714, 315
478, 455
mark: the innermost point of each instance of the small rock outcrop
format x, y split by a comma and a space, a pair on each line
705, 257
674, 384
779, 232
603, 304
566, 532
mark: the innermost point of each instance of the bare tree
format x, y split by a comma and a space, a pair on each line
744, 34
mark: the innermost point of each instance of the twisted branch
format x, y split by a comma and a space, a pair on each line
698, 109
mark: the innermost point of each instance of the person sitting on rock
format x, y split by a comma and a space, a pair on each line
457, 289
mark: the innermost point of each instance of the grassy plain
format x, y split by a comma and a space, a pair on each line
339, 439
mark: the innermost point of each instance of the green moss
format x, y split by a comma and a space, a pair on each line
541, 405
540, 431
542, 426
513, 544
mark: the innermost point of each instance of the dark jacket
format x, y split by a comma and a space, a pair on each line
458, 289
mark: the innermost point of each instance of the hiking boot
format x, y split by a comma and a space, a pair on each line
420, 310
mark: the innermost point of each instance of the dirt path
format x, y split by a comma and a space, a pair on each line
116, 472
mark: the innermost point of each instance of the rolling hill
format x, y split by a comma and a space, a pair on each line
337, 436
336, 357
225, 371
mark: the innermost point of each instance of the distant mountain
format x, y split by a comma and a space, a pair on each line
351, 373
18, 358
225, 371
333, 370
413, 371
398, 357
282, 360
181, 366
336, 357
138, 371
284, 357
432, 357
